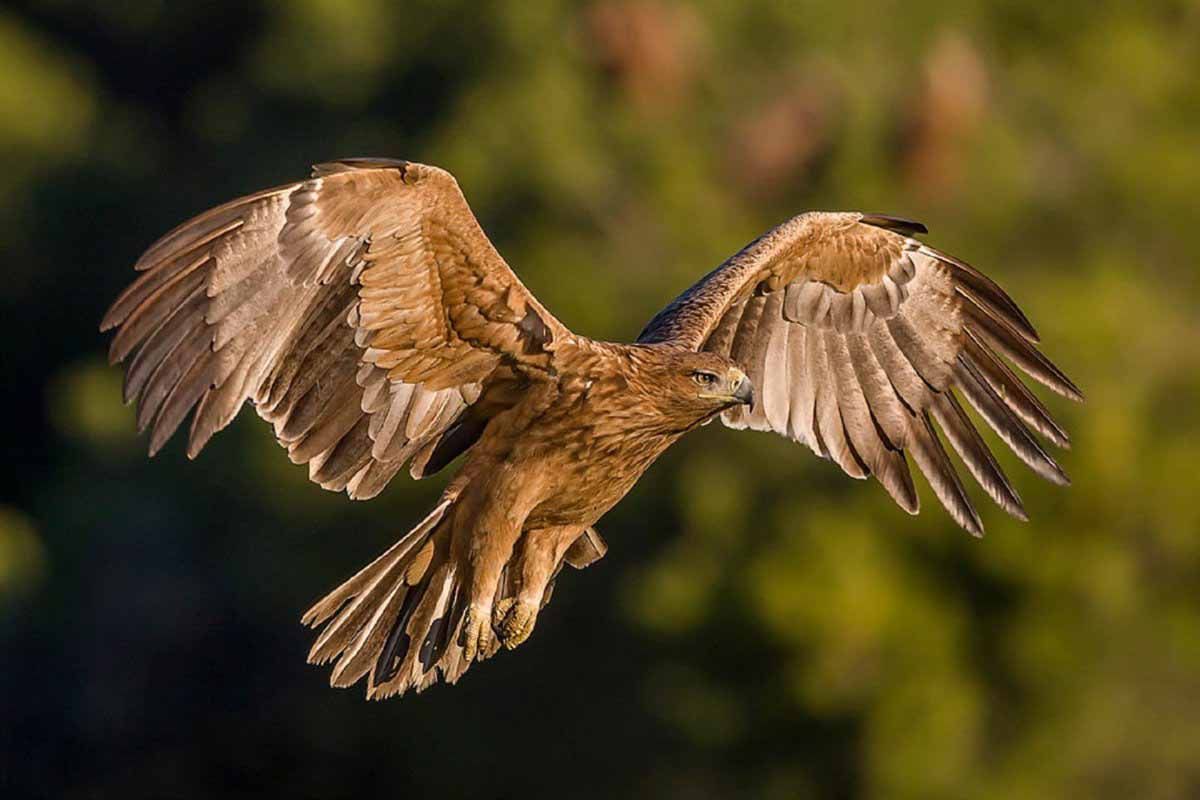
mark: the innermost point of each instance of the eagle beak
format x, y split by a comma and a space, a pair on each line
743, 391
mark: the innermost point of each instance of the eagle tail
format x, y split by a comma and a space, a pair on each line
398, 619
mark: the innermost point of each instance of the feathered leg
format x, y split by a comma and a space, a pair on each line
538, 558
424, 609
483, 542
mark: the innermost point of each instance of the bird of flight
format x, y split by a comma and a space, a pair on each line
365, 315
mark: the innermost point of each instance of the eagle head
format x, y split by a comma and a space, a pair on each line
691, 387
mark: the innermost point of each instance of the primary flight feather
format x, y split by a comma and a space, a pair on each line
365, 315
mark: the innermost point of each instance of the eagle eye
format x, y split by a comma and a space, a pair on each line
704, 378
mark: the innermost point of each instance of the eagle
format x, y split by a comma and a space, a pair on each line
365, 314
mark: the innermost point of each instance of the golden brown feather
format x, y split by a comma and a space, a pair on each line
365, 314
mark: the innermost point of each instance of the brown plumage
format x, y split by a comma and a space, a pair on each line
367, 317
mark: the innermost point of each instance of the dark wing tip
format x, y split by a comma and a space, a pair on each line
908, 227
348, 164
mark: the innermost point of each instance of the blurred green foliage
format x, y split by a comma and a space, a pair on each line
762, 626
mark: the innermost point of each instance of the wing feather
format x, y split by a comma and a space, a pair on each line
1006, 425
777, 378
721, 340
886, 408
1006, 339
974, 452
361, 312
1011, 390
186, 322
802, 405
877, 333
830, 422
870, 442
742, 350
931, 457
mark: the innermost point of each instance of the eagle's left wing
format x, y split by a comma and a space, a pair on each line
363, 312
856, 336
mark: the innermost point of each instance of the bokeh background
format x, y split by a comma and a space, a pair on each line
762, 626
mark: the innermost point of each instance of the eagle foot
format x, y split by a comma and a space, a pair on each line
515, 620
477, 633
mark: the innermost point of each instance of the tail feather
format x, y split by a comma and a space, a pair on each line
399, 621
360, 656
360, 614
371, 573
399, 665
356, 618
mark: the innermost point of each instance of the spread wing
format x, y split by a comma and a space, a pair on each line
362, 312
859, 338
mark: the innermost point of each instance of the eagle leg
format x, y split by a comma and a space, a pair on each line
539, 558
486, 544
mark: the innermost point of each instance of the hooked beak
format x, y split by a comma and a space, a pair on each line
743, 392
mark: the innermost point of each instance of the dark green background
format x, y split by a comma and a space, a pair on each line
762, 626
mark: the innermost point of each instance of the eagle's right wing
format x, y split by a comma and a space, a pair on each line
857, 337
361, 311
